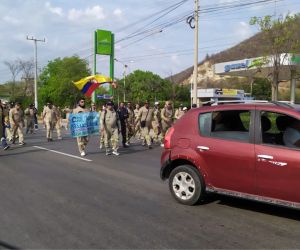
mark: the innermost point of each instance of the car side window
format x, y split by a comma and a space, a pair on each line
205, 124
232, 124
280, 129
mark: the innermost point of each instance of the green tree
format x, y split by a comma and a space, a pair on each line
56, 81
279, 38
144, 85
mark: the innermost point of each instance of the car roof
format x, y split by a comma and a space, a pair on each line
235, 106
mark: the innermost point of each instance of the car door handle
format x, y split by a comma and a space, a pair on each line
266, 157
203, 148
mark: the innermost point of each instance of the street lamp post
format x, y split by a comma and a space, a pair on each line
124, 75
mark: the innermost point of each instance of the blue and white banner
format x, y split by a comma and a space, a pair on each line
84, 124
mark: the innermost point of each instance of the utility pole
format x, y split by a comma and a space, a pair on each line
35, 72
195, 73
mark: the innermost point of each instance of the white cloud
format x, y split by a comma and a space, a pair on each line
11, 20
20, 37
175, 59
54, 10
94, 13
118, 12
118, 47
243, 31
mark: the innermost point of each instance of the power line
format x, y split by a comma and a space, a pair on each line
205, 10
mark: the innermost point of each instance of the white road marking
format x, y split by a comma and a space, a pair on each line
61, 153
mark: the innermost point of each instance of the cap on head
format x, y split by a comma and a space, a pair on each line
156, 103
185, 108
146, 102
109, 104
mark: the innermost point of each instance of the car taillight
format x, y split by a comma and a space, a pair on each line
168, 136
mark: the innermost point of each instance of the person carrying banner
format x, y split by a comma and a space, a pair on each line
83, 140
111, 126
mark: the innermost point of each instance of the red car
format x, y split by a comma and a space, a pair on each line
245, 150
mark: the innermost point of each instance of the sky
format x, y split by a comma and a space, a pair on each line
68, 26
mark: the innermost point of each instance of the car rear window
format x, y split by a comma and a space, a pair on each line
230, 125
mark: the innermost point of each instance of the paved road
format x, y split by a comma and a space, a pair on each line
50, 200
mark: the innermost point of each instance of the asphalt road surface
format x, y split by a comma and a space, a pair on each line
50, 199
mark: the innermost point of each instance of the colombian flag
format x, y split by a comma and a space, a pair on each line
88, 84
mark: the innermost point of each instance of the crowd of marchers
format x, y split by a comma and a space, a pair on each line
119, 124
126, 123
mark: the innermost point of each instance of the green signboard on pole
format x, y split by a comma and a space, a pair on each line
104, 45
104, 42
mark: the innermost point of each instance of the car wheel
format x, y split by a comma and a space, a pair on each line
186, 185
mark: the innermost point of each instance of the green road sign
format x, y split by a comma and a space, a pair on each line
104, 42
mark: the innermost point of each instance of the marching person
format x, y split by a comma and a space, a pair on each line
17, 123
93, 107
36, 123
83, 140
67, 111
29, 119
2, 127
156, 124
111, 127
145, 117
137, 128
57, 121
130, 122
179, 112
167, 115
102, 132
49, 118
123, 116
8, 132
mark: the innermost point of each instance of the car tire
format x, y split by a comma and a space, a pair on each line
186, 185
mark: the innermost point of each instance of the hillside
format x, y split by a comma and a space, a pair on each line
249, 48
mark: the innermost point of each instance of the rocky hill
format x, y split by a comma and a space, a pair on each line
249, 48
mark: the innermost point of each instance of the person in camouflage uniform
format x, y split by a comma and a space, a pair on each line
137, 127
130, 122
111, 126
156, 124
167, 116
29, 119
145, 117
16, 118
